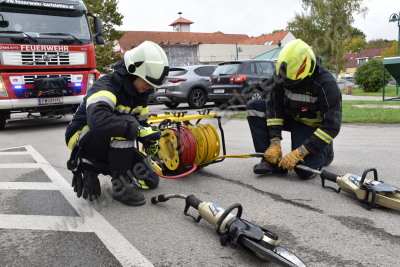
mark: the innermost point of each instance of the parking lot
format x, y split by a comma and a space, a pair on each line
51, 227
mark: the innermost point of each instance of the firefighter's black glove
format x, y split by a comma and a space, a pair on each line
151, 147
77, 184
91, 186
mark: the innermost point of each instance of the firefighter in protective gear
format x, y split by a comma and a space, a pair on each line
305, 100
111, 117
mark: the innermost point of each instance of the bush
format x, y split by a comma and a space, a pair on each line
370, 75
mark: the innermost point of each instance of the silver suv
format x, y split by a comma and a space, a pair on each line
187, 84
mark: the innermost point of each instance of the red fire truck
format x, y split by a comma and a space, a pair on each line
47, 57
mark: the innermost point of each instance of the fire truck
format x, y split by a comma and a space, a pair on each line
47, 57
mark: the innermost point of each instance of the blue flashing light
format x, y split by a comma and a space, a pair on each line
78, 84
17, 87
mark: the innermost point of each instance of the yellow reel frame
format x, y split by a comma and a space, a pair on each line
171, 145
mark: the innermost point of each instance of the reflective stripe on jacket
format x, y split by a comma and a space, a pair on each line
104, 102
316, 101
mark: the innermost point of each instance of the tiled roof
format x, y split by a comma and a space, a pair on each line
367, 53
261, 40
181, 20
137, 37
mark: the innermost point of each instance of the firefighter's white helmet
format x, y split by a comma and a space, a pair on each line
149, 62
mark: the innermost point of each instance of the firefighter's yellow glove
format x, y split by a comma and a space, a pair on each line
291, 159
274, 152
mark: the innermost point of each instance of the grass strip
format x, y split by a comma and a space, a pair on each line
364, 114
390, 91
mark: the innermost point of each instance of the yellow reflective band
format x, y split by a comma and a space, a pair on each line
271, 122
103, 93
144, 186
144, 110
324, 136
122, 108
118, 138
72, 140
156, 199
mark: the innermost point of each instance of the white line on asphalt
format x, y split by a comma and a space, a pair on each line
9, 148
27, 186
14, 153
125, 253
36, 222
20, 166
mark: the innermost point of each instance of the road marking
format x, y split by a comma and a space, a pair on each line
14, 153
89, 221
27, 186
36, 222
20, 166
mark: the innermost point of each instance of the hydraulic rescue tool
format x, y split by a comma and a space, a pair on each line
370, 193
232, 228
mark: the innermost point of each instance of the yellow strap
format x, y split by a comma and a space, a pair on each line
75, 138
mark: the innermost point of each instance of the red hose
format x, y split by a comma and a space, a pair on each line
180, 175
187, 150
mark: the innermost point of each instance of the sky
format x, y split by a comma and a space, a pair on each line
252, 17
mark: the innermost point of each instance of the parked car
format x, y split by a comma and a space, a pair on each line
186, 84
240, 81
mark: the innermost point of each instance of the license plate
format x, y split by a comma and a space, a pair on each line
219, 91
47, 101
161, 90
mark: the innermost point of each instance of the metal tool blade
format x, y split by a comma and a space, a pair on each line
278, 255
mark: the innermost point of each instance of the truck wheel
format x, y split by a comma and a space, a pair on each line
2, 120
171, 105
197, 98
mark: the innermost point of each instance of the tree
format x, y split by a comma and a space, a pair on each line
391, 51
370, 75
378, 43
326, 26
274, 31
358, 32
106, 10
354, 43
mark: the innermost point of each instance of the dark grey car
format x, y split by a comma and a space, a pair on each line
186, 84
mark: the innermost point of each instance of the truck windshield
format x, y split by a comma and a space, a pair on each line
37, 23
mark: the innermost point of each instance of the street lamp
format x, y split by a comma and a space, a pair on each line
393, 18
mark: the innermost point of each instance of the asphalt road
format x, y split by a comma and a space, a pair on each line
42, 223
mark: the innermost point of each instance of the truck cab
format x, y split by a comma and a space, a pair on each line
47, 57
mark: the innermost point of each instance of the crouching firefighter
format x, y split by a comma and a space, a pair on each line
111, 117
305, 100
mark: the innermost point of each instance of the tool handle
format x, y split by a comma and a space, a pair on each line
193, 201
329, 176
160, 198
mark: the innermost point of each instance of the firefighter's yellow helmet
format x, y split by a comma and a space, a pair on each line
295, 62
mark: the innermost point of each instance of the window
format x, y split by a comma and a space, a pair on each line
269, 42
205, 71
267, 68
256, 68
361, 61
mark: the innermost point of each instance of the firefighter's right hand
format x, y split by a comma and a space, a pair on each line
91, 186
152, 133
77, 184
274, 152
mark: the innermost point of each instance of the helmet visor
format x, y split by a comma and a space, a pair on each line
281, 77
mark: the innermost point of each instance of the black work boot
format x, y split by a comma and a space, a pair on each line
264, 167
124, 192
331, 155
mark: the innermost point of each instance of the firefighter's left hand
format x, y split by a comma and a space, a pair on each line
151, 147
290, 160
